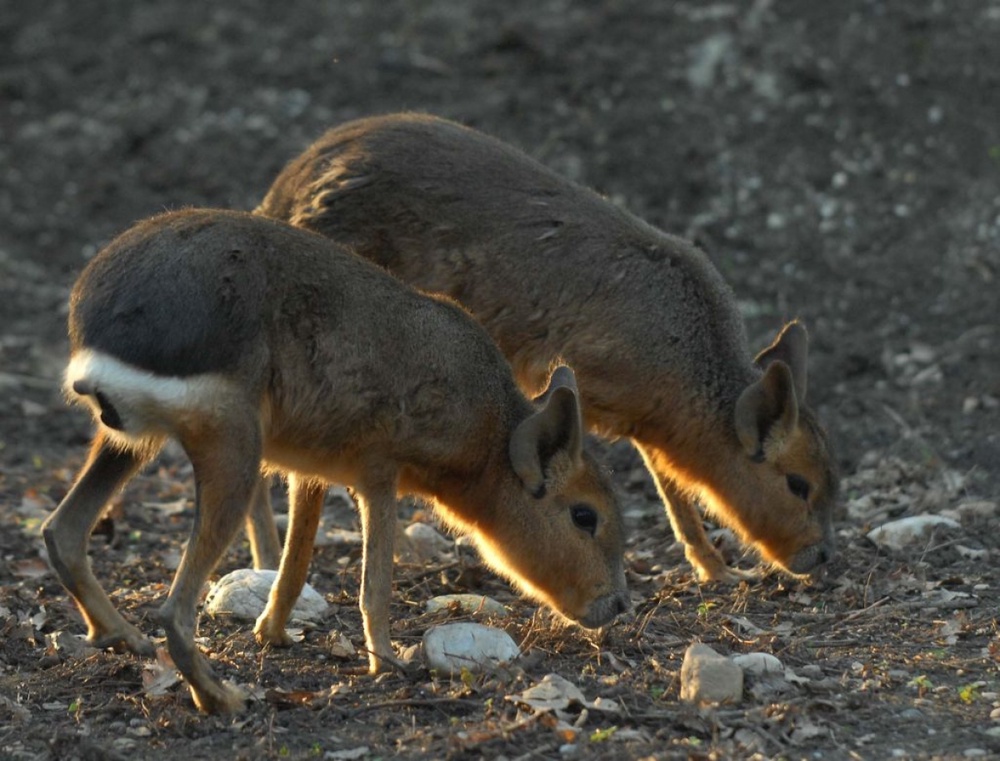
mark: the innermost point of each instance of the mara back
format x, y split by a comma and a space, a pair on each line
557, 273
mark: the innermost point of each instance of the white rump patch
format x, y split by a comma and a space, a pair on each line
147, 403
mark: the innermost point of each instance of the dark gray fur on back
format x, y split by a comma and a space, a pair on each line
180, 307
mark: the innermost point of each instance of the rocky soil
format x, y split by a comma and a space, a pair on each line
839, 162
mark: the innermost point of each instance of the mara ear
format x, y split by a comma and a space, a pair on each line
791, 347
767, 411
547, 445
562, 377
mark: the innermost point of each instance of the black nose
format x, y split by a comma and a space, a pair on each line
621, 605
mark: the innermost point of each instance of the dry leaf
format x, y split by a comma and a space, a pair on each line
295, 697
160, 677
745, 626
949, 630
340, 647
555, 693
30, 568
69, 645
808, 731
170, 508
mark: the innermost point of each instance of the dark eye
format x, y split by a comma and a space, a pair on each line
798, 486
584, 517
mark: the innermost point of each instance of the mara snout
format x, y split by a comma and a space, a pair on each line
552, 270
258, 345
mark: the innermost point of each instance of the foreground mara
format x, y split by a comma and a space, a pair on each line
555, 271
251, 341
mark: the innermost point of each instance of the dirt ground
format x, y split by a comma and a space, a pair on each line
839, 162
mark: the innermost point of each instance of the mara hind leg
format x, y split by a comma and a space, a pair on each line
686, 523
261, 528
304, 507
225, 455
67, 535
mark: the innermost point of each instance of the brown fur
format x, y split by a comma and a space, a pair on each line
554, 271
291, 352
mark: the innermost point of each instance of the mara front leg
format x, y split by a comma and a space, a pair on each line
67, 534
686, 523
226, 460
304, 507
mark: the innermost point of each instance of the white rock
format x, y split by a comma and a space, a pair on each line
468, 603
452, 647
971, 552
350, 754
243, 594
706, 59
424, 543
759, 664
922, 353
898, 534
338, 537
707, 677
725, 540
859, 508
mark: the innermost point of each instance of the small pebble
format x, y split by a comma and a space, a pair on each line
468, 603
759, 663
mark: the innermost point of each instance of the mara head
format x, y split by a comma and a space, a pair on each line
786, 482
557, 530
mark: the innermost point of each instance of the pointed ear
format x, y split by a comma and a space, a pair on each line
791, 347
545, 445
767, 411
562, 377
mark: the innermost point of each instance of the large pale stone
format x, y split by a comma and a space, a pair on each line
243, 594
423, 543
452, 647
707, 677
